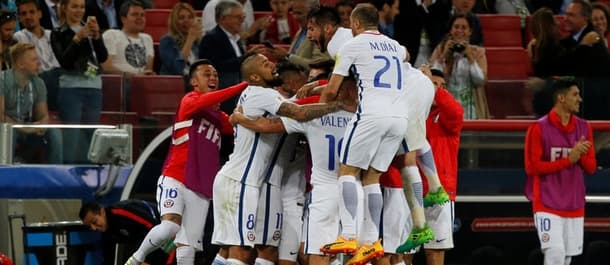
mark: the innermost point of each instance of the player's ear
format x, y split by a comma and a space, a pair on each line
193, 82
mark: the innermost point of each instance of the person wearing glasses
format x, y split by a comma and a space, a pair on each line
8, 22
80, 50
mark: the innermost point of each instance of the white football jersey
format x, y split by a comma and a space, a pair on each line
377, 62
253, 151
325, 138
420, 92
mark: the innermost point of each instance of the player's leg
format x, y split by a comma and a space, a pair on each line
321, 222
170, 202
550, 229
395, 224
573, 237
436, 192
221, 256
292, 224
268, 225
440, 220
189, 239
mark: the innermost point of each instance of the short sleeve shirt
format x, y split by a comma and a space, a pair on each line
19, 102
128, 54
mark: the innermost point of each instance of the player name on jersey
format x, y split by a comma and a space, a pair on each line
334, 121
383, 46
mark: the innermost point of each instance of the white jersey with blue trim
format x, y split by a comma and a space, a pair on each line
420, 92
377, 62
253, 151
325, 138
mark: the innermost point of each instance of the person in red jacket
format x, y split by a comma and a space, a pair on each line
443, 128
558, 148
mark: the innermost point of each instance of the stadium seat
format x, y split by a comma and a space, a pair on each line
164, 4
507, 63
156, 95
501, 30
112, 93
509, 99
156, 23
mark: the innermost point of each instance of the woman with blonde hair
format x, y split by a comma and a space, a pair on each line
79, 48
464, 66
180, 46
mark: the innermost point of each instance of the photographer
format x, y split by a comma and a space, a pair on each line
464, 66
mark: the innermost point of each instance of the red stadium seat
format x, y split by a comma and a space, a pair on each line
164, 4
501, 30
156, 23
112, 93
518, 107
507, 63
156, 95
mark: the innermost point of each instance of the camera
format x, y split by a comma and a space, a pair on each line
458, 47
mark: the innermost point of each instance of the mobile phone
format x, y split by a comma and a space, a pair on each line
91, 18
268, 44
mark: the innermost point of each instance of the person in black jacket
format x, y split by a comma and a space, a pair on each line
126, 223
80, 50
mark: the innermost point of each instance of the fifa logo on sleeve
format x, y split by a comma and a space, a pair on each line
559, 153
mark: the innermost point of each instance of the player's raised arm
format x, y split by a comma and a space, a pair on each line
261, 124
330, 92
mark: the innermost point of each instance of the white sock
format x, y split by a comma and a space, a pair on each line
411, 183
348, 206
261, 261
399, 263
425, 158
231, 261
373, 203
337, 261
155, 237
185, 255
219, 260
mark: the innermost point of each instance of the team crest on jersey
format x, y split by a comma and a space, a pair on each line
276, 235
168, 203
251, 236
546, 237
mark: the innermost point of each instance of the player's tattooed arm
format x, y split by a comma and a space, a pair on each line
307, 112
261, 125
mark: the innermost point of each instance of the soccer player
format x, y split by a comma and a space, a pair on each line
323, 28
183, 209
558, 148
237, 184
373, 135
325, 136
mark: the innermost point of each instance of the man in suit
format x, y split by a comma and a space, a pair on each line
302, 51
223, 47
586, 54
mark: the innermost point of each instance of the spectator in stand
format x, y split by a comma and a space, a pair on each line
7, 28
344, 8
601, 21
248, 27
106, 12
464, 66
50, 13
33, 33
126, 223
558, 149
554, 5
283, 26
23, 100
302, 51
512, 7
586, 54
79, 48
387, 10
223, 46
545, 52
179, 48
461, 7
130, 50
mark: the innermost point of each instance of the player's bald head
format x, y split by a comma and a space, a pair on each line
367, 14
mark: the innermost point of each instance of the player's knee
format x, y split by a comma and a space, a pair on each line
554, 254
172, 217
267, 252
168, 228
185, 255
